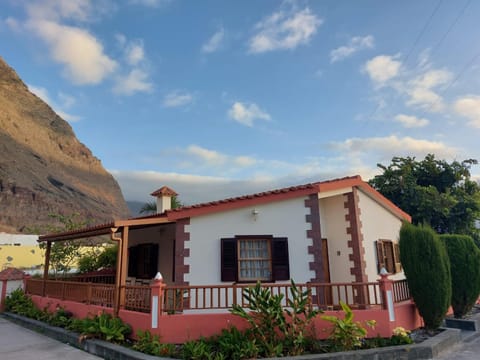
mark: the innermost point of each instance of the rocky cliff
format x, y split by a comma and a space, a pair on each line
44, 169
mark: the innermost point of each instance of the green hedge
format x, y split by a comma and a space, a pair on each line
465, 269
427, 269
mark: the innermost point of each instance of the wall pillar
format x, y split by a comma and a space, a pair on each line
158, 290
386, 290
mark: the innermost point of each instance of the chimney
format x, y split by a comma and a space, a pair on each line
164, 198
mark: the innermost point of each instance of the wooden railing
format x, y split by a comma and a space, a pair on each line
89, 293
138, 298
401, 292
216, 297
324, 296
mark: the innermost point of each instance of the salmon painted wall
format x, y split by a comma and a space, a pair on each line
180, 328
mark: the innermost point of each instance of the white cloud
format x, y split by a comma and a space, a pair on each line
382, 68
282, 31
214, 43
246, 114
420, 90
135, 81
13, 24
390, 146
135, 53
355, 44
55, 10
79, 51
150, 3
215, 159
176, 99
67, 101
469, 107
410, 121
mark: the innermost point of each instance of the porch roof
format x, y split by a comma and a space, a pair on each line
104, 229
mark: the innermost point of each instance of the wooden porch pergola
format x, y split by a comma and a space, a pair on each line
119, 232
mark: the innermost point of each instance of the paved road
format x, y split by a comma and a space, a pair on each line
19, 343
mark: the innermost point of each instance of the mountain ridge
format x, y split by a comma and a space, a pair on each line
44, 168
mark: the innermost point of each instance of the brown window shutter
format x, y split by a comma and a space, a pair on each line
398, 264
389, 256
132, 261
229, 260
380, 256
153, 249
280, 263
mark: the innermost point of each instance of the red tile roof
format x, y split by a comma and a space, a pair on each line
12, 274
164, 190
242, 201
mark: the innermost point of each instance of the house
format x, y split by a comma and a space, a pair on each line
333, 237
332, 231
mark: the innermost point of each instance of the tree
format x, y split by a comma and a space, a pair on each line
151, 206
433, 192
65, 253
427, 269
465, 270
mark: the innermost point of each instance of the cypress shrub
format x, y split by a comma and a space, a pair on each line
427, 269
465, 269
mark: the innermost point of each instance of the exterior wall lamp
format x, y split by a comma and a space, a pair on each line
255, 213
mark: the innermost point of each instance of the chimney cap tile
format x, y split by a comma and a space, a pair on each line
164, 191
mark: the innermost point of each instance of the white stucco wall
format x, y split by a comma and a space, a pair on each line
334, 229
280, 219
377, 223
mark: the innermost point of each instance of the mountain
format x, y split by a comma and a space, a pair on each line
44, 169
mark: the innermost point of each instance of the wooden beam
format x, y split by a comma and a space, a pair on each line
46, 266
124, 267
116, 295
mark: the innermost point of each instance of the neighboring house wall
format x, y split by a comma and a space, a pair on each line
14, 285
334, 229
377, 223
20, 251
280, 219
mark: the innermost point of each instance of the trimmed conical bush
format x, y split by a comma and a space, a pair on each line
427, 269
465, 269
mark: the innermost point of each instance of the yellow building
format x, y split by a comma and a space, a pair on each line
20, 251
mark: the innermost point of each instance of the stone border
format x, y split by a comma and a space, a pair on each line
426, 350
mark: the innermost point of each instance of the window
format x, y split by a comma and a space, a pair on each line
253, 258
388, 256
143, 261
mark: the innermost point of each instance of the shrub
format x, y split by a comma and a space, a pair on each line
103, 326
150, 344
346, 333
465, 270
275, 329
427, 270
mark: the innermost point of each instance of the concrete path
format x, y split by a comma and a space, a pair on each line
469, 349
19, 343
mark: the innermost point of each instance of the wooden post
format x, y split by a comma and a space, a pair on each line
123, 267
116, 295
46, 267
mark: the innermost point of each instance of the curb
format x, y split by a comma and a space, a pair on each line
424, 351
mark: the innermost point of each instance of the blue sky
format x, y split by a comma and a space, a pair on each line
223, 98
